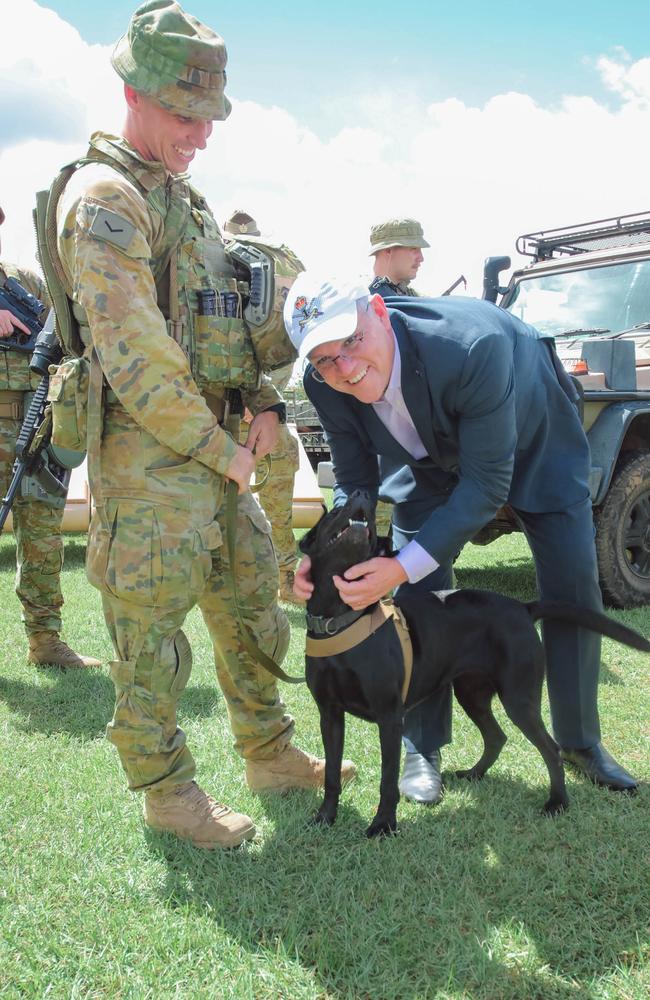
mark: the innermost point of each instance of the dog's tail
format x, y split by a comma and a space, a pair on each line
593, 620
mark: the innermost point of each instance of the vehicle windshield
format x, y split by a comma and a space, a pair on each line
587, 302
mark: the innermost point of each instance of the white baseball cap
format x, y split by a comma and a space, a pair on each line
318, 310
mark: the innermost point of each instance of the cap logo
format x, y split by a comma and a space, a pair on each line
309, 310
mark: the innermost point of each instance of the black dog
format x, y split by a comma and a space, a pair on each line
484, 643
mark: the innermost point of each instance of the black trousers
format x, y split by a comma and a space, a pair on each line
562, 544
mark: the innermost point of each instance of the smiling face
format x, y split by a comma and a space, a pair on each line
362, 367
162, 136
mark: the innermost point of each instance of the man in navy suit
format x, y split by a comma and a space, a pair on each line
467, 408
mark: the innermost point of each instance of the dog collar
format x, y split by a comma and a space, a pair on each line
362, 627
320, 625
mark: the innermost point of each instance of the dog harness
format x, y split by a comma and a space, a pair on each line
363, 628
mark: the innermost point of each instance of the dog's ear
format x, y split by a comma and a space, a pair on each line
307, 541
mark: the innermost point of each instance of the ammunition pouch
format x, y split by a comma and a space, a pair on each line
269, 270
224, 353
68, 399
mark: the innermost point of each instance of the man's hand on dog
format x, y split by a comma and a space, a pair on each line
360, 586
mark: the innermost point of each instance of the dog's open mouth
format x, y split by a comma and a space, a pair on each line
352, 525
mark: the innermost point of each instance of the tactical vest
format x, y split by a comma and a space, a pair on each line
382, 285
197, 290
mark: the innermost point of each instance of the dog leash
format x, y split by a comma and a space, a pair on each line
362, 629
231, 537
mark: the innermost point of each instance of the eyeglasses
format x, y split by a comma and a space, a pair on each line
325, 364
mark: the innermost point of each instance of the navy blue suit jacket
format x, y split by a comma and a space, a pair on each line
483, 392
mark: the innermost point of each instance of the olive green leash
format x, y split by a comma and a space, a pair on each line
232, 492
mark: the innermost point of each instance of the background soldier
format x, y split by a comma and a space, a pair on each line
397, 246
37, 525
276, 495
154, 292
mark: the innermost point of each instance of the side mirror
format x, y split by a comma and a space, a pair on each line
491, 269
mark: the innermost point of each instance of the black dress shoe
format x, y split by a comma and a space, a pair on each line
421, 780
601, 768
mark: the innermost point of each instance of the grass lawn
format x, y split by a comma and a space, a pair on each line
479, 897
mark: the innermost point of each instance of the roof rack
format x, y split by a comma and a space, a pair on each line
603, 234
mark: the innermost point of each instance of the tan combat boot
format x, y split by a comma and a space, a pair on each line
285, 593
291, 768
190, 813
46, 649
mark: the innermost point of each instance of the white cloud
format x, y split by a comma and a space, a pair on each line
631, 80
475, 176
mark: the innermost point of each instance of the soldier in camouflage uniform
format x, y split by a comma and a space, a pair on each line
141, 250
276, 494
397, 246
37, 525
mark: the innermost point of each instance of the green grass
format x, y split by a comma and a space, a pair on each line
479, 897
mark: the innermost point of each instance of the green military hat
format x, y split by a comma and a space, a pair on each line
241, 224
396, 233
175, 60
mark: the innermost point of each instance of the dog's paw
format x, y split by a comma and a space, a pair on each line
555, 806
382, 828
472, 774
321, 819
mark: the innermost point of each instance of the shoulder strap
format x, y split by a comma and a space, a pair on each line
67, 327
175, 215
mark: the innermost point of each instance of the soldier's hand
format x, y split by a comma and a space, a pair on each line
263, 433
7, 323
241, 468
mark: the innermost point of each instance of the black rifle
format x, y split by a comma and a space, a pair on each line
38, 461
25, 307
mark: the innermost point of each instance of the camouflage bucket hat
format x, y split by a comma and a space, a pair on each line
175, 60
397, 233
241, 224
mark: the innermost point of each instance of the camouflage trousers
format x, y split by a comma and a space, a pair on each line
39, 545
157, 547
276, 495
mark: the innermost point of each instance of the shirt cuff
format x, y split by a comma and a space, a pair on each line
416, 562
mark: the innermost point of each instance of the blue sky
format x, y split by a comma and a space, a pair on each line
483, 120
307, 57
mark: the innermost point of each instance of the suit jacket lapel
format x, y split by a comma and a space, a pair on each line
416, 393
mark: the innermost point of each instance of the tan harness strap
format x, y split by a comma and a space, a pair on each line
362, 629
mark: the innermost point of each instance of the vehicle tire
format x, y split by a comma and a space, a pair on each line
623, 533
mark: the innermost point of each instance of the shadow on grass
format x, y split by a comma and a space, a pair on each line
76, 702
81, 702
432, 909
74, 552
515, 578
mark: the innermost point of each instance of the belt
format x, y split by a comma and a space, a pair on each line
216, 405
12, 404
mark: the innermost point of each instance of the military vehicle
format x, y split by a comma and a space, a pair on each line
588, 286
312, 437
